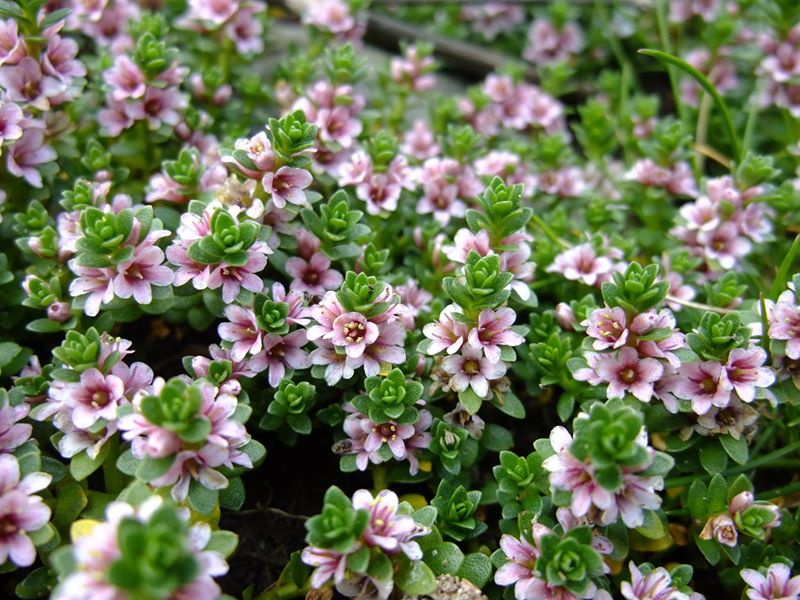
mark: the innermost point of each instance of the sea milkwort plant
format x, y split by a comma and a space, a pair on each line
393, 300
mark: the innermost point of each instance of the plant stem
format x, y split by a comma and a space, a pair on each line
379, 481
282, 591
114, 479
663, 34
791, 488
698, 305
702, 129
761, 461
548, 232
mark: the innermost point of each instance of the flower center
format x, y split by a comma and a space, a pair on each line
707, 385
472, 367
354, 332
100, 399
628, 375
387, 431
8, 527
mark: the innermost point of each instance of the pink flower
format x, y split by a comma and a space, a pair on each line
25, 84
420, 142
96, 551
582, 263
380, 192
334, 16
413, 70
777, 584
608, 328
636, 494
231, 279
135, 277
298, 314
287, 185
519, 569
354, 332
391, 532
163, 106
242, 331
329, 564
705, 384
119, 116
569, 473
280, 352
20, 512
245, 29
95, 397
388, 348
662, 348
656, 585
784, 319
465, 241
722, 529
126, 79
27, 154
446, 333
13, 433
215, 12
724, 244
470, 369
59, 59
683, 10
313, 276
221, 448
11, 119
12, 46
494, 330
547, 44
97, 283
414, 300
493, 18
628, 373
746, 372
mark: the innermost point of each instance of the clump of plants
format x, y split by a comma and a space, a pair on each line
545, 329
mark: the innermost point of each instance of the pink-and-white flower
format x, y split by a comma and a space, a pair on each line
287, 185
519, 569
776, 584
470, 369
393, 533
136, 277
583, 264
94, 397
126, 79
656, 585
221, 448
745, 371
493, 330
96, 551
280, 352
242, 331
627, 372
569, 473
25, 84
21, 513
784, 322
704, 383
447, 332
13, 433
313, 276
27, 154
548, 44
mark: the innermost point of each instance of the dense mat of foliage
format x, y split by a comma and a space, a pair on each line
551, 321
